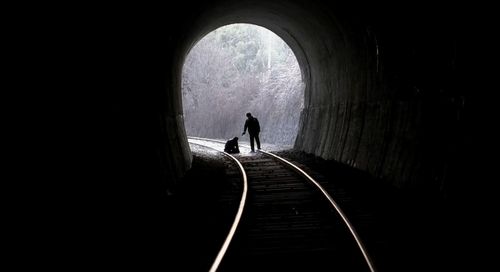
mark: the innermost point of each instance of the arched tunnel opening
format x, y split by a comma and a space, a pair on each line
242, 68
385, 93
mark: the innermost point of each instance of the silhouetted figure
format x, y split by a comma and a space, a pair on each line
232, 146
253, 129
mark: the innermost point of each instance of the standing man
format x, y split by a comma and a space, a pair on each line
253, 129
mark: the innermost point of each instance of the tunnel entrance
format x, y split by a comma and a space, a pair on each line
240, 68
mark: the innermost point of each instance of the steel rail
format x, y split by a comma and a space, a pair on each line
349, 225
234, 226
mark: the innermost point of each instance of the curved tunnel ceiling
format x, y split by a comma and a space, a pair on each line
314, 35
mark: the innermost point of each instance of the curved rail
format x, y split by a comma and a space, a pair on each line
337, 208
353, 231
237, 218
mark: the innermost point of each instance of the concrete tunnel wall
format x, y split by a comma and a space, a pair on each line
379, 85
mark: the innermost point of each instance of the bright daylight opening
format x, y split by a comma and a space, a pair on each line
242, 68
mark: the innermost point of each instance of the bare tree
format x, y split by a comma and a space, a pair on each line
237, 69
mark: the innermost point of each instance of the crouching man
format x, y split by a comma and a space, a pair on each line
232, 146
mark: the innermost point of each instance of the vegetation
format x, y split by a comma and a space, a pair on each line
237, 69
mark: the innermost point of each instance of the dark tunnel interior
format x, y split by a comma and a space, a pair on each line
387, 92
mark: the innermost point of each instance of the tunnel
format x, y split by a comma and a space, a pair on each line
380, 95
386, 93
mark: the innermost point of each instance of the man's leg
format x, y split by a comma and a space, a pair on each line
257, 140
251, 141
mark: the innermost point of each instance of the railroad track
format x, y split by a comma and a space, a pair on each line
285, 221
